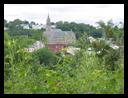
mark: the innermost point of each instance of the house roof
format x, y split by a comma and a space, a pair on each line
57, 36
35, 46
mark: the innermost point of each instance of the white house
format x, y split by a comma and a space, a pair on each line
37, 26
25, 26
37, 45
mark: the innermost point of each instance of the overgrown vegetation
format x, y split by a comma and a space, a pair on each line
45, 72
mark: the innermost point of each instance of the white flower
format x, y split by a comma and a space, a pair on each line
98, 52
89, 49
114, 46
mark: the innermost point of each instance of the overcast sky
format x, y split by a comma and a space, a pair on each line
80, 13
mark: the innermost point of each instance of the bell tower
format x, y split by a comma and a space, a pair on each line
48, 24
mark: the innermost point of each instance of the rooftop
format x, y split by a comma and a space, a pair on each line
57, 36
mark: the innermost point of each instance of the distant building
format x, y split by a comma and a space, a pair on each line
33, 26
37, 26
56, 38
5, 28
25, 26
37, 45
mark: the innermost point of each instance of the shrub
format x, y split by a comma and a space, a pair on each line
46, 57
111, 59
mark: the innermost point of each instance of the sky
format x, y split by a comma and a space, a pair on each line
79, 13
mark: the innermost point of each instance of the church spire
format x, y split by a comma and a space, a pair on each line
48, 23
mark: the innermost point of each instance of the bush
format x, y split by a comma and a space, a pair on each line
46, 57
111, 59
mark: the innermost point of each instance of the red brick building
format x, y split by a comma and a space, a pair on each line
56, 38
56, 47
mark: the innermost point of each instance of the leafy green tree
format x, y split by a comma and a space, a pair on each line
59, 24
82, 42
46, 57
107, 28
111, 59
79, 28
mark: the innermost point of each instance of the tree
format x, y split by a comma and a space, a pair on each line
46, 57
107, 28
79, 28
82, 42
25, 22
52, 23
59, 24
32, 23
103, 27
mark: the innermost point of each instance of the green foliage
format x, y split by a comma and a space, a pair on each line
111, 31
112, 59
88, 77
79, 29
96, 34
15, 29
110, 56
82, 42
28, 73
24, 42
6, 36
45, 56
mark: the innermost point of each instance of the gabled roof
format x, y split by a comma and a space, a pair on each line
57, 36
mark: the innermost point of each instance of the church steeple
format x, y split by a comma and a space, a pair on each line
48, 24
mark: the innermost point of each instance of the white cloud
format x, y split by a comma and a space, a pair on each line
86, 13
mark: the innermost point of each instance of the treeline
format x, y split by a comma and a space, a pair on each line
79, 28
15, 28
